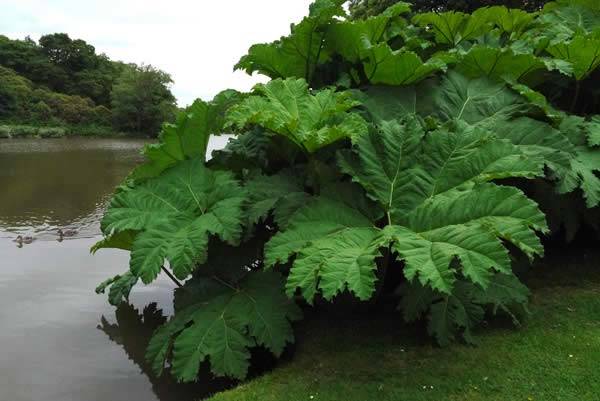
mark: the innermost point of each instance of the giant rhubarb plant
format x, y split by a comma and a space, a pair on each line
399, 143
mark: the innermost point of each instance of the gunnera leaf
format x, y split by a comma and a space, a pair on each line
383, 65
560, 21
583, 52
248, 150
477, 101
460, 312
298, 54
586, 162
223, 325
493, 106
288, 108
439, 210
282, 194
335, 245
495, 62
348, 38
509, 20
451, 28
174, 215
118, 287
188, 137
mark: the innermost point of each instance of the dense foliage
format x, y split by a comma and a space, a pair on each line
61, 81
141, 99
368, 8
425, 144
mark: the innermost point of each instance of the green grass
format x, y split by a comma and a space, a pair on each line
554, 355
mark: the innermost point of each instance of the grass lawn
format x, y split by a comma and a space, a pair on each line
555, 355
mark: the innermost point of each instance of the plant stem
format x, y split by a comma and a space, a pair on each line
225, 283
171, 276
574, 102
382, 273
312, 163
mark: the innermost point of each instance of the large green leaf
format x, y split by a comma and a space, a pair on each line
385, 103
495, 62
537, 138
586, 162
247, 150
583, 52
385, 166
335, 246
537, 99
437, 207
593, 136
451, 28
348, 38
282, 194
118, 240
297, 54
509, 20
477, 101
175, 214
386, 66
401, 167
455, 313
119, 287
223, 324
187, 137
461, 311
439, 212
560, 22
493, 106
288, 108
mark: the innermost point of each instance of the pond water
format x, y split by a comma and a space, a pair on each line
59, 341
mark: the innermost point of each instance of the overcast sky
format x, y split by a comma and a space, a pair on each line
197, 42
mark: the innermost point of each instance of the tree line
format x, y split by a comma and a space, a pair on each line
59, 81
366, 8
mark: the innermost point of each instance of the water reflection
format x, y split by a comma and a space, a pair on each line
60, 183
50, 347
132, 331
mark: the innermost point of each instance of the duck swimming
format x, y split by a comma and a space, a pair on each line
66, 233
20, 240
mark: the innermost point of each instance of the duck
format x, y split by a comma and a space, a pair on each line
66, 233
20, 240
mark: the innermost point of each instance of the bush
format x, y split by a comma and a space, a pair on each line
51, 132
15, 92
393, 158
100, 115
16, 131
41, 112
4, 131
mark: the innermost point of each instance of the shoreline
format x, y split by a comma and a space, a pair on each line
14, 131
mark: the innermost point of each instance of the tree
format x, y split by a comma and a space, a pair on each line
367, 8
14, 93
141, 99
63, 65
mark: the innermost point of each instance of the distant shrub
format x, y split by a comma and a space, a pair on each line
41, 111
101, 115
22, 131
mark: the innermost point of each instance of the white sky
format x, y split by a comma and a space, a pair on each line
197, 42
